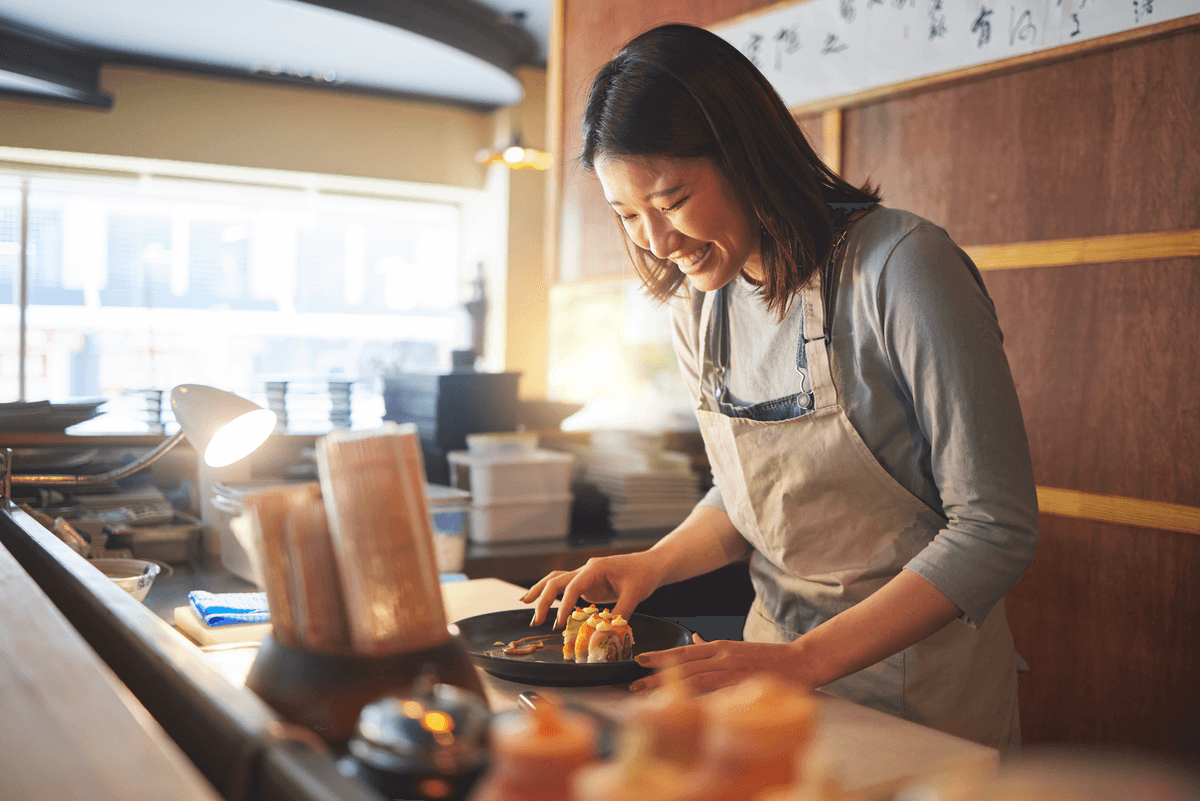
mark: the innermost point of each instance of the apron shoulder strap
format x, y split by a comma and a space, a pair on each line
704, 356
815, 347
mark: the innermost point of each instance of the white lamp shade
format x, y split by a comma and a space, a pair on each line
221, 426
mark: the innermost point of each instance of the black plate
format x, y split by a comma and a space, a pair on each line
546, 666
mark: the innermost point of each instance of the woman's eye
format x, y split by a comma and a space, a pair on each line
675, 205
627, 219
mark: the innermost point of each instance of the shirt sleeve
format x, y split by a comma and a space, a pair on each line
944, 343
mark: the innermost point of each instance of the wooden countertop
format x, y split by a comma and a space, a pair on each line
874, 754
70, 728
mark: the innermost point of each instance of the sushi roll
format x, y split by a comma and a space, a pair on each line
585, 635
605, 643
622, 628
612, 641
576, 620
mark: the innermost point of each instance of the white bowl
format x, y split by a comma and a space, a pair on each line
132, 575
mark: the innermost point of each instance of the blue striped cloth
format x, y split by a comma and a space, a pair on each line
224, 608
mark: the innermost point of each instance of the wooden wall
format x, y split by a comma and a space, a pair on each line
1106, 356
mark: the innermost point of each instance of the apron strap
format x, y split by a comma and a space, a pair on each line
815, 347
705, 364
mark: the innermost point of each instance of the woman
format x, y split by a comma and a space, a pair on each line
856, 404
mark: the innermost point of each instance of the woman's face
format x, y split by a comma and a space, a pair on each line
687, 211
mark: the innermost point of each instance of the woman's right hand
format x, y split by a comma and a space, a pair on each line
627, 579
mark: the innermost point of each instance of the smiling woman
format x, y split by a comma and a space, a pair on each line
713, 120
833, 350
684, 211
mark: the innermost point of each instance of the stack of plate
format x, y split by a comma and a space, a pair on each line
46, 417
647, 487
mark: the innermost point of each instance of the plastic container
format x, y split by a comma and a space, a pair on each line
536, 518
538, 474
237, 542
502, 444
449, 510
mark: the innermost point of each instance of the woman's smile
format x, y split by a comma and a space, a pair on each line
685, 211
693, 261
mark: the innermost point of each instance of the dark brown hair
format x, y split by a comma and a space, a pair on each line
684, 92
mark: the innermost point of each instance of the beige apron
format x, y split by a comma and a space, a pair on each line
829, 527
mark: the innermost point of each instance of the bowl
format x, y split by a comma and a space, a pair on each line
132, 575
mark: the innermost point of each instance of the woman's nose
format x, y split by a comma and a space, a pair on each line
662, 238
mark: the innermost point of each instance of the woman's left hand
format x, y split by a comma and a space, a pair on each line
706, 666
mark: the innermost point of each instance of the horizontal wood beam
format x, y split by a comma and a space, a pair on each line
1086, 250
1117, 509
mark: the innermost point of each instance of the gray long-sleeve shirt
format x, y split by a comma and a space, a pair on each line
919, 366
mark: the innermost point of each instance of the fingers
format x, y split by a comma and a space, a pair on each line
622, 579
707, 666
625, 606
544, 593
657, 660
696, 667
536, 589
570, 594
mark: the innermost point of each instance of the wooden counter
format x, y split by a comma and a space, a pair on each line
874, 754
70, 728
83, 663
220, 725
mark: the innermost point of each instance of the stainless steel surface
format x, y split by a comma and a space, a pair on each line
108, 477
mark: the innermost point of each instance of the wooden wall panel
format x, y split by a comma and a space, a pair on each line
1106, 357
1106, 618
1102, 144
813, 126
1107, 364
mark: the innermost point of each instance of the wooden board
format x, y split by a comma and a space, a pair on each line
1105, 358
187, 621
1096, 146
1106, 618
70, 728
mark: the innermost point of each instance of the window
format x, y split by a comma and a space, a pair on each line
145, 280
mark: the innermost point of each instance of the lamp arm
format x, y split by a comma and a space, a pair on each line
9, 480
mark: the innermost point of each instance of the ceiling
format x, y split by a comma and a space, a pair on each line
461, 52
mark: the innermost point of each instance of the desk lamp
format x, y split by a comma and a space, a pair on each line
221, 426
